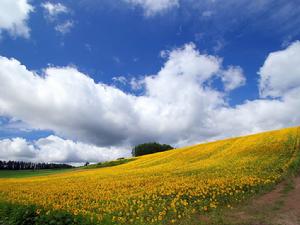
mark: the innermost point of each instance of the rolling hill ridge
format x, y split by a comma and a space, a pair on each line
169, 187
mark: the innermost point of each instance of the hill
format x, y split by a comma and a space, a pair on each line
170, 187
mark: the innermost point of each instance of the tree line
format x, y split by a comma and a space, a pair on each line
20, 165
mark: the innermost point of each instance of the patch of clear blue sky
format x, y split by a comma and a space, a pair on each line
109, 39
14, 129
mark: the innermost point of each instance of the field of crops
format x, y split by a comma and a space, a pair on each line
166, 187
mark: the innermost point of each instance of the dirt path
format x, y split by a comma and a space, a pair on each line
280, 206
290, 212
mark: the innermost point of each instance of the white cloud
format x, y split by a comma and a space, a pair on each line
14, 15
71, 104
120, 79
137, 84
16, 149
55, 149
53, 10
233, 78
53, 13
152, 7
179, 105
280, 72
64, 27
259, 115
63, 98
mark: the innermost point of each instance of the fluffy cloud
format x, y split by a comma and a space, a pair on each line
74, 106
179, 105
233, 78
14, 16
16, 149
152, 7
62, 99
55, 149
281, 72
279, 78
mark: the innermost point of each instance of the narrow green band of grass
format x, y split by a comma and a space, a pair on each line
109, 163
30, 173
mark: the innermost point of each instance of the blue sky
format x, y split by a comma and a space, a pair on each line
117, 42
109, 40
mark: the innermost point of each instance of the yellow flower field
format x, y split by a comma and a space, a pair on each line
168, 186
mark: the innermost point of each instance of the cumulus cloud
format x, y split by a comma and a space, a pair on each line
14, 16
178, 105
152, 7
16, 149
280, 80
280, 72
72, 105
55, 149
233, 78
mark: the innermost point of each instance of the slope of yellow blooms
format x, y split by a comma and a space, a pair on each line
167, 186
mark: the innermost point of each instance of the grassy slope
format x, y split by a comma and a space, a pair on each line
46, 172
30, 173
108, 163
200, 174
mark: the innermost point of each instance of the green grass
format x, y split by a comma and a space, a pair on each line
30, 173
45, 172
16, 214
109, 163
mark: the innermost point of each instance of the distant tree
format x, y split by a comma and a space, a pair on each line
86, 164
149, 148
19, 165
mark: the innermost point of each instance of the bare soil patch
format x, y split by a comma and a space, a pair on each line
281, 206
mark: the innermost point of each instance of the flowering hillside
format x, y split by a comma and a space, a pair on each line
166, 187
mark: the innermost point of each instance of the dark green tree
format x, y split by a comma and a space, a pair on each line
149, 148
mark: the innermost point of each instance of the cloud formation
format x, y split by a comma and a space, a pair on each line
14, 16
233, 78
52, 10
55, 149
72, 105
53, 13
280, 72
179, 106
